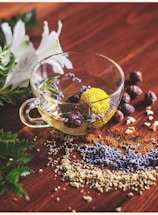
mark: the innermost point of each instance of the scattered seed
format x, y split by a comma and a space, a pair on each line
130, 130
87, 198
40, 170
118, 209
154, 126
85, 171
130, 194
35, 138
15, 199
130, 120
149, 112
148, 124
150, 117
58, 199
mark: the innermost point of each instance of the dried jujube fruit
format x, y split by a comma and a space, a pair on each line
72, 120
149, 98
125, 98
136, 76
127, 109
133, 91
118, 116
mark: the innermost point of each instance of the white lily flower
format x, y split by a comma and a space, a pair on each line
25, 54
18, 42
50, 45
21, 74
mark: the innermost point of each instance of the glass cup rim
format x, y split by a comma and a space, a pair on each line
114, 63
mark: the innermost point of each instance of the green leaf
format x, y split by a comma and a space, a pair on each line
13, 160
12, 180
11, 96
22, 159
29, 18
15, 147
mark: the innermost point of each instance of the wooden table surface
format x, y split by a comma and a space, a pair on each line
126, 32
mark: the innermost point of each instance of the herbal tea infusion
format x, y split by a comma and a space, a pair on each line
76, 97
72, 112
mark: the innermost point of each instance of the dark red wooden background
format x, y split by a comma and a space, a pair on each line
126, 32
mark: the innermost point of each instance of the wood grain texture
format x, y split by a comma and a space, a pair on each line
126, 32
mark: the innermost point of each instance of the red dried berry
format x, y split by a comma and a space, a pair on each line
125, 98
118, 116
136, 76
72, 120
127, 109
150, 97
133, 91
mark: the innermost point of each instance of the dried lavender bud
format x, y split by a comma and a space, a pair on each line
149, 98
125, 98
73, 98
127, 109
136, 76
83, 88
72, 120
118, 116
134, 91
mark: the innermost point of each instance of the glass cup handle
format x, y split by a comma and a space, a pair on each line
25, 117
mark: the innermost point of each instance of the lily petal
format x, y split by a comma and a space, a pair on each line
7, 33
21, 74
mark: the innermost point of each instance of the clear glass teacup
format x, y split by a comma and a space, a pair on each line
74, 92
